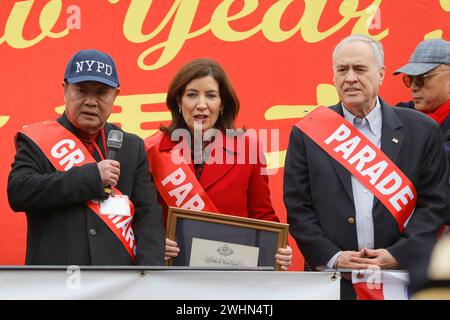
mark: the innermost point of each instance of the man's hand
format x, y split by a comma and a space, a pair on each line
284, 257
109, 172
379, 257
172, 249
344, 260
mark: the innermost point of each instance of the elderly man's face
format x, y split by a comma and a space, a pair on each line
357, 76
89, 104
435, 90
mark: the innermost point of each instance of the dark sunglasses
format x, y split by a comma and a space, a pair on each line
418, 80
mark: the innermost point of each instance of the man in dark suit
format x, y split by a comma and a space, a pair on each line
335, 218
61, 178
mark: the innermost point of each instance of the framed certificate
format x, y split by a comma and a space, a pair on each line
209, 239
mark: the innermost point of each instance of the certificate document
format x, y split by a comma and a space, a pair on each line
208, 253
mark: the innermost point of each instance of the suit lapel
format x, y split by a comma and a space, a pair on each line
391, 137
391, 143
343, 174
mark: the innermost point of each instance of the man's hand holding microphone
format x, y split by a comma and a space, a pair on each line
110, 168
109, 173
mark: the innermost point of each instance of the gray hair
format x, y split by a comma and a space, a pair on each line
374, 44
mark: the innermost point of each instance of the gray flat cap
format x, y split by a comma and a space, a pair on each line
428, 55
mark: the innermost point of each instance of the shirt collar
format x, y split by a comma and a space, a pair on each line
373, 119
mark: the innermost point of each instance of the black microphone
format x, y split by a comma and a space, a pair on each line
114, 143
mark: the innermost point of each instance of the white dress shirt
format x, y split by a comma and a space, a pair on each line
370, 127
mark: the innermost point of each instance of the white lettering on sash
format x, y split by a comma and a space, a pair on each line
342, 133
401, 196
361, 161
348, 147
393, 179
182, 190
126, 227
176, 177
114, 218
375, 171
62, 149
195, 203
130, 238
365, 155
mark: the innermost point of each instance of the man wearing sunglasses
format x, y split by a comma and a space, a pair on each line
427, 75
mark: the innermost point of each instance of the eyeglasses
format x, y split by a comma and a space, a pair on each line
418, 80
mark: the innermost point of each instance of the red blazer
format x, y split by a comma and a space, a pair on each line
235, 189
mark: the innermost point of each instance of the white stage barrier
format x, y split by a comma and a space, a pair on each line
164, 284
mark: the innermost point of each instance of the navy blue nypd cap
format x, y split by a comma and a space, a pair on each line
92, 65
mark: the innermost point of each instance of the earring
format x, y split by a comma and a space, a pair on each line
221, 112
179, 110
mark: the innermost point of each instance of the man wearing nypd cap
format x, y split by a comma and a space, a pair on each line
61, 178
427, 75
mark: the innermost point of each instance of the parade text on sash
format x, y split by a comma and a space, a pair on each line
363, 160
176, 183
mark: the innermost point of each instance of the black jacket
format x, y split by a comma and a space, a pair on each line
62, 230
445, 128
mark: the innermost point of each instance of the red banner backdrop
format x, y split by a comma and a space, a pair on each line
277, 54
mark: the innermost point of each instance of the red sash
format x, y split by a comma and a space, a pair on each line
364, 160
176, 183
64, 151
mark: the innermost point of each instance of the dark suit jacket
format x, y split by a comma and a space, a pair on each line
319, 199
445, 127
62, 230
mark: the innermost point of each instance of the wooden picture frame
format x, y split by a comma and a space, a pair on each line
245, 235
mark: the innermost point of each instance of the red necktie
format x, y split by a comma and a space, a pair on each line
87, 140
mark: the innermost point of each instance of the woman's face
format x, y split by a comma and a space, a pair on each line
200, 103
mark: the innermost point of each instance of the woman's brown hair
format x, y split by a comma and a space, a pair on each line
195, 69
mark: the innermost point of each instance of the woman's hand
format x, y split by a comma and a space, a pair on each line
284, 257
172, 249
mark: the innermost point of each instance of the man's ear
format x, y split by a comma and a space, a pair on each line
64, 85
448, 85
382, 74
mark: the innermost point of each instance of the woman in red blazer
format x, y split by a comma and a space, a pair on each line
230, 168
